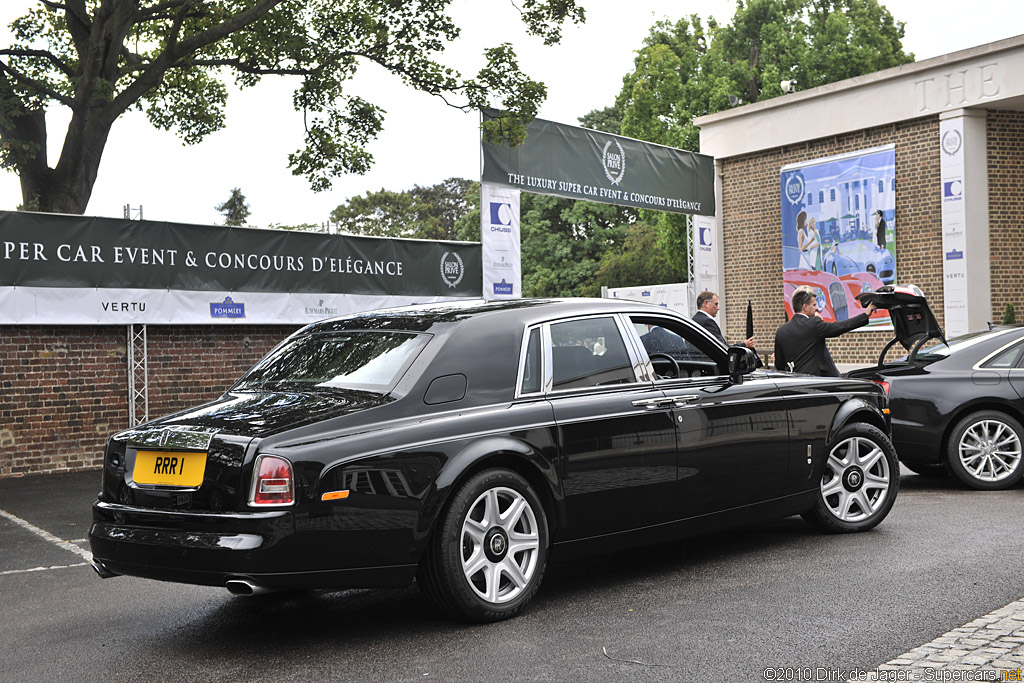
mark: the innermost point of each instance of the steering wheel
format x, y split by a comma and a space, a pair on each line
670, 359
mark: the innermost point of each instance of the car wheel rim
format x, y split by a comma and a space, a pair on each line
990, 450
856, 480
500, 545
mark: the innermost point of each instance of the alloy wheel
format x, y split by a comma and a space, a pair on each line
855, 483
990, 450
500, 545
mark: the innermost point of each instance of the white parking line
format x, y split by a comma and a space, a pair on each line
42, 533
43, 569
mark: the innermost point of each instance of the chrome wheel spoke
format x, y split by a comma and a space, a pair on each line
518, 543
510, 517
513, 572
832, 487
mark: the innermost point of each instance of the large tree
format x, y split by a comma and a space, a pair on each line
436, 212
689, 68
170, 58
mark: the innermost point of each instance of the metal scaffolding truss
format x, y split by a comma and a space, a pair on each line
138, 375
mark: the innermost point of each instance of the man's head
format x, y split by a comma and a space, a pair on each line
805, 302
708, 302
878, 216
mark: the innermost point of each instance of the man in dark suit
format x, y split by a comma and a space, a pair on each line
800, 343
707, 309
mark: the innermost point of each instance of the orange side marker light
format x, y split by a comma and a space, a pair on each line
334, 495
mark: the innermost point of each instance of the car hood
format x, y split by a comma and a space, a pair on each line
261, 414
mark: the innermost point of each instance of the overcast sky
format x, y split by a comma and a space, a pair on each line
424, 141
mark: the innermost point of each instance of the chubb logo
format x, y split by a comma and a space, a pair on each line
795, 188
501, 217
952, 190
613, 158
452, 268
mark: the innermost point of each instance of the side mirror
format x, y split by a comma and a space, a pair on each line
742, 361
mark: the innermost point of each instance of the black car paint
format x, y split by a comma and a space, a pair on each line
930, 395
605, 483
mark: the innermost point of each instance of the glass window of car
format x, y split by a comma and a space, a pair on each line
588, 352
695, 353
1007, 358
362, 360
531, 365
934, 349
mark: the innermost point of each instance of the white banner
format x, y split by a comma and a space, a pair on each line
675, 296
954, 233
499, 237
70, 306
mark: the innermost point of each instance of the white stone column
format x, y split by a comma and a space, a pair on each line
966, 268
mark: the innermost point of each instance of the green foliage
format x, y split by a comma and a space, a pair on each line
689, 68
171, 59
437, 212
638, 261
235, 209
1009, 315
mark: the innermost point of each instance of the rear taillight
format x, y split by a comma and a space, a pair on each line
273, 483
882, 383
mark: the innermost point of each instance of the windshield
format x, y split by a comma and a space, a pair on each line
934, 349
368, 361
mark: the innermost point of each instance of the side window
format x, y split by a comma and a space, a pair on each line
531, 369
587, 353
1007, 359
695, 355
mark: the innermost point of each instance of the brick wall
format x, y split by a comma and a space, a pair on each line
64, 390
1006, 210
751, 218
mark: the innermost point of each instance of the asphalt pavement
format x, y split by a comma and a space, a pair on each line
44, 522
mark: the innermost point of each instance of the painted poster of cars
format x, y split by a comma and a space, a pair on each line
839, 230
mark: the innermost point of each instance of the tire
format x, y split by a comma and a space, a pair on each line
926, 469
489, 550
860, 481
984, 450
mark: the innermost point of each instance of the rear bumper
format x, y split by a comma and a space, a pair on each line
209, 549
192, 547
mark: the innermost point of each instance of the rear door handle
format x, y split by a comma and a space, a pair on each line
680, 401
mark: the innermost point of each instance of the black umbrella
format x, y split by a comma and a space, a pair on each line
750, 320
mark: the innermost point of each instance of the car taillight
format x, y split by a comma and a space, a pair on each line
882, 383
273, 483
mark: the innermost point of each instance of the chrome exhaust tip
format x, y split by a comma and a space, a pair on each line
101, 569
246, 587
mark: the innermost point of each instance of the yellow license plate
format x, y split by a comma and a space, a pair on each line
169, 468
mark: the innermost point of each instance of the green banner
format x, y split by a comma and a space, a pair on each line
578, 163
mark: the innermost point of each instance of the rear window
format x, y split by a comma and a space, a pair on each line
368, 361
935, 349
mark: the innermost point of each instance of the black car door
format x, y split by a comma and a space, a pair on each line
617, 436
732, 439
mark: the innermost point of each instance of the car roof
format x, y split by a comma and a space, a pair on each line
432, 316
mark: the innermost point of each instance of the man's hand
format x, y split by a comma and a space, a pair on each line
749, 343
871, 308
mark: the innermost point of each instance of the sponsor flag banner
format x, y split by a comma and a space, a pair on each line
954, 227
578, 163
499, 242
57, 269
675, 296
839, 230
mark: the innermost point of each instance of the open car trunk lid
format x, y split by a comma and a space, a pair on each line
913, 322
